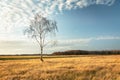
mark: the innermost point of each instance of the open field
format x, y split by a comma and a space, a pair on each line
13, 57
60, 68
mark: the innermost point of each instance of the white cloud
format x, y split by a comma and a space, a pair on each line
23, 46
82, 3
15, 14
17, 47
26, 8
85, 41
108, 38
75, 41
105, 2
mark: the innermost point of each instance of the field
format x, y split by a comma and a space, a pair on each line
93, 67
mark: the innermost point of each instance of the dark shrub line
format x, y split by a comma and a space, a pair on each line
83, 52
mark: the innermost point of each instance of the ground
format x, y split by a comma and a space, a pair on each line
93, 67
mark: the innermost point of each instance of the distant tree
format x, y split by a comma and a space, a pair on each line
39, 29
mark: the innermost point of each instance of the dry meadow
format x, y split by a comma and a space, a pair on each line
69, 68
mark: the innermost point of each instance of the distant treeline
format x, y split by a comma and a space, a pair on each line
83, 52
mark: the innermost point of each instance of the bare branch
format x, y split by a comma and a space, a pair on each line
40, 27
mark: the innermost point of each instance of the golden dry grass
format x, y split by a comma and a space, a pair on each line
75, 68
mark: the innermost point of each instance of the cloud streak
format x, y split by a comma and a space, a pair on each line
108, 38
85, 41
23, 46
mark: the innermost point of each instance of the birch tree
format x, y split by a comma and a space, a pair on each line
40, 28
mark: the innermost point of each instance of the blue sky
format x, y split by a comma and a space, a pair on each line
91, 22
82, 24
95, 20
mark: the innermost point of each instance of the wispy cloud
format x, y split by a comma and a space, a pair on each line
23, 46
14, 12
75, 41
85, 41
108, 38
17, 47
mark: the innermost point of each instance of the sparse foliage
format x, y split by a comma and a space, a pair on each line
40, 27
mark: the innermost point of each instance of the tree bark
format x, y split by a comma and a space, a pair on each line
41, 58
